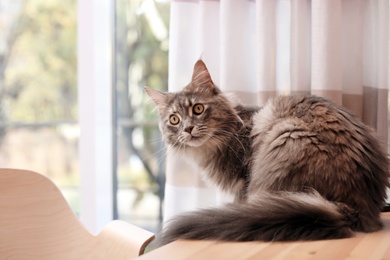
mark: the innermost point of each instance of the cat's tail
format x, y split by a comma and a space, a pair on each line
282, 216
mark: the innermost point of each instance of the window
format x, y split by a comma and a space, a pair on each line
44, 100
38, 91
141, 55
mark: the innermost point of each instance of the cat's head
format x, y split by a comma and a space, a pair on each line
196, 116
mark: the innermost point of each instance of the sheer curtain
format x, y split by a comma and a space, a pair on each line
258, 49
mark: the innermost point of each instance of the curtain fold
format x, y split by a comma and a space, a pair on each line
258, 49
300, 46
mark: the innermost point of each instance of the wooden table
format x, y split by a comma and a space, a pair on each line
362, 246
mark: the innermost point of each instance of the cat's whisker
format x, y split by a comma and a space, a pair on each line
156, 141
161, 152
229, 134
224, 125
221, 142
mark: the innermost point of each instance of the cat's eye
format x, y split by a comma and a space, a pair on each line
174, 119
198, 109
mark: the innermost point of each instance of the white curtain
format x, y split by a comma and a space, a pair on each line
258, 49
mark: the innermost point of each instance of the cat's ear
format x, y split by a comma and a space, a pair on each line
201, 75
159, 98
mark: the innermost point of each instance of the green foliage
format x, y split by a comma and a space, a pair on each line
141, 59
42, 71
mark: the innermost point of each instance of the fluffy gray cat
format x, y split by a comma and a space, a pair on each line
300, 168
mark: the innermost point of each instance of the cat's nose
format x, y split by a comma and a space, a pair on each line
188, 129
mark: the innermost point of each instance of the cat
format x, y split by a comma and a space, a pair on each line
300, 168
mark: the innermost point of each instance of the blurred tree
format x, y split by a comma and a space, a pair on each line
38, 86
10, 29
141, 59
141, 52
39, 82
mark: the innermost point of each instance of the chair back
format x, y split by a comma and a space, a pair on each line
36, 222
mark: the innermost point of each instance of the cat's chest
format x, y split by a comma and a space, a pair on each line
227, 168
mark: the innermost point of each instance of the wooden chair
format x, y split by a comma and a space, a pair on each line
37, 223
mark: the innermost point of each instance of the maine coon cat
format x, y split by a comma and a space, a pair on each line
300, 168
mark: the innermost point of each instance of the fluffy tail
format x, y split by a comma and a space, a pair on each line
283, 216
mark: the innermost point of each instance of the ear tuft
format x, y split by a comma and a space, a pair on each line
201, 76
158, 97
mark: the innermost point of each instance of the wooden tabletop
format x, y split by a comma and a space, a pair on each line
363, 246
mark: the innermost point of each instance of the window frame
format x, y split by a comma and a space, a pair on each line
96, 100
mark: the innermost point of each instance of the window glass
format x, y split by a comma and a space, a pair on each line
38, 90
141, 54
